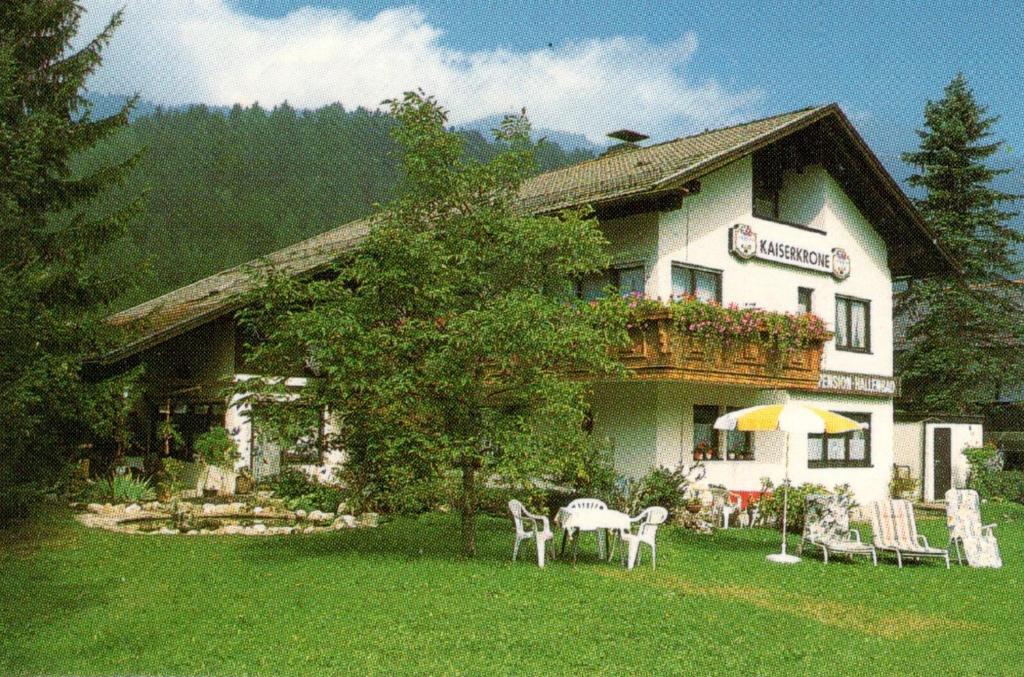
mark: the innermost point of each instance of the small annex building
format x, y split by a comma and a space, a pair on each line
930, 449
791, 213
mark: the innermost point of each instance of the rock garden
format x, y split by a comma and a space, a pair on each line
261, 515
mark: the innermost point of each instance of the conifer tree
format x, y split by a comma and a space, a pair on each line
54, 286
961, 333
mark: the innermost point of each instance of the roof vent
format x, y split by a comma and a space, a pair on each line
628, 140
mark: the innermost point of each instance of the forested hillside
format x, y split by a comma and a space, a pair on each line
222, 188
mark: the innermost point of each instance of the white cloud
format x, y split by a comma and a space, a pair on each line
185, 51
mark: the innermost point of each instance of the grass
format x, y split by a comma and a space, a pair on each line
397, 600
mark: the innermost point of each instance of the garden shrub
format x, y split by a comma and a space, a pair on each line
128, 489
770, 504
17, 499
318, 497
180, 475
661, 486
290, 483
216, 447
987, 477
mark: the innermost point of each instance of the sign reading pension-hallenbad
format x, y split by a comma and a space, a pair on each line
860, 384
745, 243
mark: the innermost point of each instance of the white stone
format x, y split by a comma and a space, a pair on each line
191, 532
259, 528
95, 507
345, 522
309, 530
209, 508
258, 510
133, 508
300, 514
167, 531
231, 529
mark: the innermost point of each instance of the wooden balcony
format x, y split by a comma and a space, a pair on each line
659, 351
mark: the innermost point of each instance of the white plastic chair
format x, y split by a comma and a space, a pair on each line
649, 520
590, 504
541, 531
725, 503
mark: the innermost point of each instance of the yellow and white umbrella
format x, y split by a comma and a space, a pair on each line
789, 417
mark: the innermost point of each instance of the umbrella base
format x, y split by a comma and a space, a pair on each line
783, 558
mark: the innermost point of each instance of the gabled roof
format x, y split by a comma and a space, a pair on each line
656, 167
630, 175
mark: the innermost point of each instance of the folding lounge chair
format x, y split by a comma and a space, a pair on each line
893, 529
827, 526
966, 532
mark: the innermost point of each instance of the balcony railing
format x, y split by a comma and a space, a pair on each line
658, 350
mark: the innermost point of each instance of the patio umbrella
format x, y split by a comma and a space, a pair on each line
787, 418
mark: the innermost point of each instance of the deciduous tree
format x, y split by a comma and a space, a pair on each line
450, 344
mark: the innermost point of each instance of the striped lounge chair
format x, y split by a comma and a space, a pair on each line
893, 529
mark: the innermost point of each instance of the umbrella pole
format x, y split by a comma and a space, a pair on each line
785, 495
783, 557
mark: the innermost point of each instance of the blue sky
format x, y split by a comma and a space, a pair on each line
665, 68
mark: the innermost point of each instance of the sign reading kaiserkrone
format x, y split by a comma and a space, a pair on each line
857, 384
745, 243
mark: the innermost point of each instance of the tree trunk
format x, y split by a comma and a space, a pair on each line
469, 510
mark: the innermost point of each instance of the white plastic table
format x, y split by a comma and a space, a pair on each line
575, 520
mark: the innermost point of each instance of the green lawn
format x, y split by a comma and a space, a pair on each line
397, 600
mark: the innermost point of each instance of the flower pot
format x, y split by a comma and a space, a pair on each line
693, 508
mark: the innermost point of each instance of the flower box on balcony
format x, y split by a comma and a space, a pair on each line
660, 349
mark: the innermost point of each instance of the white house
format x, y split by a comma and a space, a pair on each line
791, 213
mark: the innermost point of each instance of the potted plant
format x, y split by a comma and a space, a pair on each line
704, 451
694, 506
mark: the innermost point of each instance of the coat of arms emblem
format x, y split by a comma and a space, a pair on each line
743, 241
840, 263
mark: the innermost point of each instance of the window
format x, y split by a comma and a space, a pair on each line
705, 284
739, 444
853, 324
731, 444
767, 184
804, 296
628, 279
849, 450
704, 432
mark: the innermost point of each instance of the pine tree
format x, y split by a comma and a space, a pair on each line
56, 277
959, 344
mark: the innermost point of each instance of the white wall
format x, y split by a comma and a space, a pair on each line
698, 234
650, 424
908, 448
